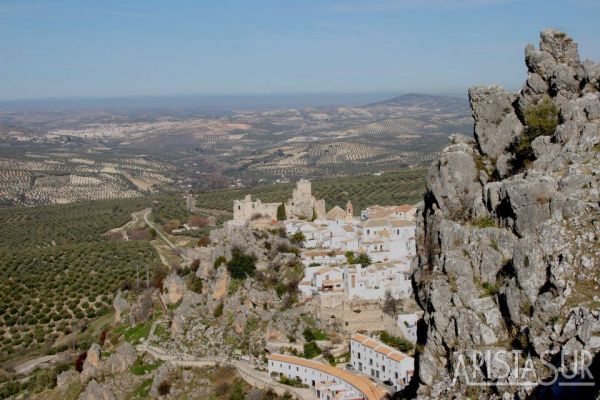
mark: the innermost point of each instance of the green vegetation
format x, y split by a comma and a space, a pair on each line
136, 333
541, 120
490, 289
139, 368
295, 382
314, 334
241, 265
406, 186
57, 268
219, 261
484, 223
281, 215
363, 259
297, 238
396, 342
218, 310
311, 350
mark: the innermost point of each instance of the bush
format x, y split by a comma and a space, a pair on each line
311, 350
218, 310
241, 265
196, 285
281, 215
541, 119
396, 342
164, 388
219, 261
298, 238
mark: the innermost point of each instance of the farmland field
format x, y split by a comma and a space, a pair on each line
57, 269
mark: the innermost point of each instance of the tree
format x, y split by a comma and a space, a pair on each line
350, 257
363, 259
281, 215
298, 238
390, 304
314, 214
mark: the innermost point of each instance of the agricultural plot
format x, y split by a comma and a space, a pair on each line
57, 269
59, 178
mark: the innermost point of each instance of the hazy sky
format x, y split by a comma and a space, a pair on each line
60, 48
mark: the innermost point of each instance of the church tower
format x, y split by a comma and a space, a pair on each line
349, 210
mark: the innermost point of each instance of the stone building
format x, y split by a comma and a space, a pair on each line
302, 203
246, 209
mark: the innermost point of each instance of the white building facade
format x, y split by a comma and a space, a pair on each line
382, 362
324, 379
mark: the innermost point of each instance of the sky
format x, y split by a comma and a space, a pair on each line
86, 48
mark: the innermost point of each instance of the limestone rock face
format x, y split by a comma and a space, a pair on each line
496, 123
118, 362
174, 286
96, 391
509, 258
121, 308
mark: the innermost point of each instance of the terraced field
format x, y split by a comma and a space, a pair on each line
58, 178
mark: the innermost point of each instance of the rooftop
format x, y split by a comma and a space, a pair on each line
369, 389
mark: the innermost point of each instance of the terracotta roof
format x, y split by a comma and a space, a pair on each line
336, 213
405, 208
379, 347
369, 389
375, 222
401, 223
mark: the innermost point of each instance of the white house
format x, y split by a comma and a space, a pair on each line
322, 257
372, 282
324, 379
381, 361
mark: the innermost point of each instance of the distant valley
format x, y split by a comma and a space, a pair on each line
71, 155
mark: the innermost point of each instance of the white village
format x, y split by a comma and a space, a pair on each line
347, 259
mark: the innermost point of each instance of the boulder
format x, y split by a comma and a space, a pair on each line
496, 123
121, 307
96, 391
174, 286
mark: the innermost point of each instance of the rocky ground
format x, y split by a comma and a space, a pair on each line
508, 234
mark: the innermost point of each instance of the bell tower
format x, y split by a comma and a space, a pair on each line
349, 209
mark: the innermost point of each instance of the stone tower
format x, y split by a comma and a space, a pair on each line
349, 209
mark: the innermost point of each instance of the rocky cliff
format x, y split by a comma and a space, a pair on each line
508, 233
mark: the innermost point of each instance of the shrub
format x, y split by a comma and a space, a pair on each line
241, 265
219, 261
298, 238
281, 215
164, 388
541, 119
196, 285
218, 310
311, 350
396, 342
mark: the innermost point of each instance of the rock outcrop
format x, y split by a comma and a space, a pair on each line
96, 391
509, 255
117, 362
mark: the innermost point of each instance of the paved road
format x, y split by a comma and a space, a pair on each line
246, 370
